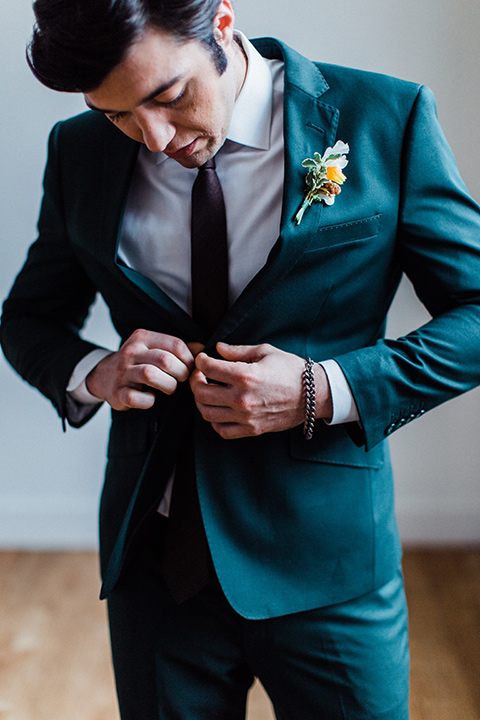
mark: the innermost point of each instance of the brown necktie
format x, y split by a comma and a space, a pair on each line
185, 563
209, 249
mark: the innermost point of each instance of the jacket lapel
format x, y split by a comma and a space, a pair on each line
310, 125
118, 165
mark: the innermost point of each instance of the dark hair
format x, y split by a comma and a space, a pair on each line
77, 43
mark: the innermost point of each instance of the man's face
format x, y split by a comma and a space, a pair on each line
171, 96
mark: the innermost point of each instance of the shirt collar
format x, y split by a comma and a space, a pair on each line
252, 113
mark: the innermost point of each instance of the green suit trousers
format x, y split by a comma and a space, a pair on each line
197, 660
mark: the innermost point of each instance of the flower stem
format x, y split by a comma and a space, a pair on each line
306, 203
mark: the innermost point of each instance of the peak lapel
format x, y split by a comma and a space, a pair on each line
310, 125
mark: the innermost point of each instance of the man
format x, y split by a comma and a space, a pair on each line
297, 580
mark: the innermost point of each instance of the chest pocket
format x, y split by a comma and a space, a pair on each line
354, 231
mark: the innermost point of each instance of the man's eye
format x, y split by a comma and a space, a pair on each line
170, 103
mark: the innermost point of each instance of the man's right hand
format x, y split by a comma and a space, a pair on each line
146, 360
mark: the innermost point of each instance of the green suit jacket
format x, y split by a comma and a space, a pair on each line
292, 524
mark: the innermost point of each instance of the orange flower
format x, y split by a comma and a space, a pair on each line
334, 173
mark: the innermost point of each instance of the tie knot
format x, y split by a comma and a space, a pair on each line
209, 165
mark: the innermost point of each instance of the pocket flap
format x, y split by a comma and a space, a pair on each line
353, 231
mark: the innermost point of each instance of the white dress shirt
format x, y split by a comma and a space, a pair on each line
155, 233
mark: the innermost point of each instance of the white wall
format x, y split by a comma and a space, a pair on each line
50, 481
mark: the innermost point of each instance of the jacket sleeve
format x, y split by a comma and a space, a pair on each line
438, 246
49, 301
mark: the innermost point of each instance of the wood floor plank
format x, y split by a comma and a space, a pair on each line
443, 591
55, 663
54, 651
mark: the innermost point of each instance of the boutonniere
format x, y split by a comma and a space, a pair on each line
324, 176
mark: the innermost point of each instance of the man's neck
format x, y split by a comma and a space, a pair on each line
241, 63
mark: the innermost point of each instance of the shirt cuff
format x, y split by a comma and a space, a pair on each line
344, 407
77, 387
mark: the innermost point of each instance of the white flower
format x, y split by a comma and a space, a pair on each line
330, 158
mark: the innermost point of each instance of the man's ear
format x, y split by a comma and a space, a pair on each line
223, 24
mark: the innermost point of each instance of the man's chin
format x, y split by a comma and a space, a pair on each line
200, 156
192, 162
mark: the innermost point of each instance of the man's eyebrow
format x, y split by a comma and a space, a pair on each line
158, 91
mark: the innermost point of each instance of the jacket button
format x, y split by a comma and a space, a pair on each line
390, 429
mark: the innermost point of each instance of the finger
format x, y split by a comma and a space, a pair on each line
213, 414
134, 398
160, 341
196, 380
242, 353
209, 393
231, 431
151, 376
168, 363
223, 371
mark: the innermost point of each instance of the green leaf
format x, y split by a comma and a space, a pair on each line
334, 157
308, 162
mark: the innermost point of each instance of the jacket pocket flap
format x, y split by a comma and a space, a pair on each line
353, 231
332, 445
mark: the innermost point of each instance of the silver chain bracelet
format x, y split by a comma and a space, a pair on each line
309, 394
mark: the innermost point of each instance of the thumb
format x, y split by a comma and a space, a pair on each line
195, 348
241, 353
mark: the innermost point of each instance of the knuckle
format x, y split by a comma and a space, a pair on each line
127, 397
149, 374
246, 403
177, 346
244, 380
243, 404
138, 335
162, 360
128, 351
253, 429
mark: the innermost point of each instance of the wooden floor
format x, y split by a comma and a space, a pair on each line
54, 658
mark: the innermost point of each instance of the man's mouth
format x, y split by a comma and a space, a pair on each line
183, 152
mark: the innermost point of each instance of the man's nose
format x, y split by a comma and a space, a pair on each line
157, 133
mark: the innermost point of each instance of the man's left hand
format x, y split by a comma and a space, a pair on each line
261, 390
